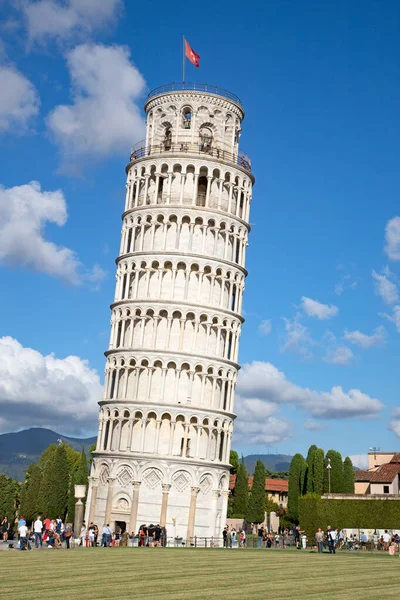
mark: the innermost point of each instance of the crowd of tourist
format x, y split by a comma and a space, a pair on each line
336, 539
54, 533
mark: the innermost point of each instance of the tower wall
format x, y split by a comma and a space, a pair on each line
166, 418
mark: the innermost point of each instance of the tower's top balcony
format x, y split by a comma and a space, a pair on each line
197, 87
193, 118
140, 150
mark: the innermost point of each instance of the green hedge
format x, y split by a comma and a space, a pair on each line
316, 512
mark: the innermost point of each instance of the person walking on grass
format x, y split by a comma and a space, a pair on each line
225, 537
5, 526
37, 530
319, 538
331, 538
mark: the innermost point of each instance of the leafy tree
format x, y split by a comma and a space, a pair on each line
336, 472
297, 470
71, 500
309, 485
234, 462
241, 495
348, 476
30, 495
256, 506
271, 506
318, 471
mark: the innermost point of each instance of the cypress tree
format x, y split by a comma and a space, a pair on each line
348, 476
309, 485
296, 485
71, 500
30, 500
318, 471
8, 497
81, 471
234, 462
46, 464
336, 472
57, 478
256, 507
241, 496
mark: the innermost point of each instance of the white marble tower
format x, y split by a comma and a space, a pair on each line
166, 418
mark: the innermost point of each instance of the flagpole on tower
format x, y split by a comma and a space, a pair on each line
183, 59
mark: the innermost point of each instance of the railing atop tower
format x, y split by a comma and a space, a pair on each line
140, 150
192, 86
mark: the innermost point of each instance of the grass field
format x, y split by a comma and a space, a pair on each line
126, 573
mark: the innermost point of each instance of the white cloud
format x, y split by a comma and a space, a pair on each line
345, 283
297, 338
360, 460
312, 425
392, 237
19, 100
313, 308
45, 391
394, 318
339, 355
268, 431
24, 212
364, 340
263, 381
104, 117
394, 424
265, 327
384, 287
52, 19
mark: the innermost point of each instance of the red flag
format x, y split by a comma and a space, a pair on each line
192, 56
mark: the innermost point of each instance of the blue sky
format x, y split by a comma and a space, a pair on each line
320, 86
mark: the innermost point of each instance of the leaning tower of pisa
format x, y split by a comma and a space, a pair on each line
166, 418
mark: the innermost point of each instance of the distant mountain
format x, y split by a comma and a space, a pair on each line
272, 462
19, 450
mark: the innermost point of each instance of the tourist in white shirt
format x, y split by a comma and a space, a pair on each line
23, 538
386, 540
37, 530
331, 537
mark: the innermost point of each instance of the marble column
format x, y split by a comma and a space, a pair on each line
110, 494
135, 506
164, 503
192, 514
213, 511
94, 482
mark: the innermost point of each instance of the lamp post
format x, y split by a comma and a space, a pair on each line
329, 467
80, 493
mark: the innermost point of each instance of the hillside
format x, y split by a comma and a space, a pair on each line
272, 462
18, 450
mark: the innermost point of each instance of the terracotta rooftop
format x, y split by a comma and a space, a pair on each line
396, 458
271, 485
363, 475
386, 473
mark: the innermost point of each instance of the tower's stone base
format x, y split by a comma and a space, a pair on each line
188, 498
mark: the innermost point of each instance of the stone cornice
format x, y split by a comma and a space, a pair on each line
163, 256
148, 302
172, 353
190, 96
187, 210
200, 412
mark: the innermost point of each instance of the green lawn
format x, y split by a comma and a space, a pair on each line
126, 573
